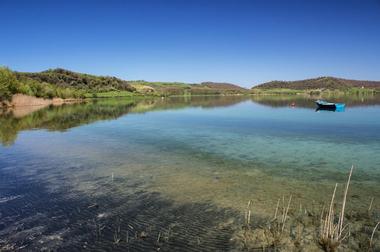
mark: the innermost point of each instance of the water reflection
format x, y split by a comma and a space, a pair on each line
61, 118
306, 101
178, 179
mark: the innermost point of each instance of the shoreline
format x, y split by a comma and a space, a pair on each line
22, 105
21, 100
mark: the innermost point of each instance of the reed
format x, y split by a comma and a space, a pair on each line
285, 214
332, 231
312, 230
275, 231
248, 214
117, 233
158, 237
279, 219
370, 204
372, 235
275, 213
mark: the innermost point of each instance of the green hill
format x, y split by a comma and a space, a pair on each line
68, 84
57, 83
179, 88
318, 84
69, 79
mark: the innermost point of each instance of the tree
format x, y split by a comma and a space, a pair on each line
8, 84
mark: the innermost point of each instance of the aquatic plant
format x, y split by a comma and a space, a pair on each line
248, 214
264, 234
325, 228
117, 233
276, 227
373, 233
370, 205
332, 231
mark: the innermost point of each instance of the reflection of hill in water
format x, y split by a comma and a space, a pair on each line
60, 118
308, 101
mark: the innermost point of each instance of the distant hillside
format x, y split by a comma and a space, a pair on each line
68, 84
69, 79
320, 83
91, 83
224, 86
178, 88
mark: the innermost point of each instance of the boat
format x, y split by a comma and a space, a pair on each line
325, 105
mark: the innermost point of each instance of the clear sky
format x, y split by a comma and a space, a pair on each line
243, 42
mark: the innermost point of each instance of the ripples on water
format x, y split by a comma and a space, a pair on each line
174, 174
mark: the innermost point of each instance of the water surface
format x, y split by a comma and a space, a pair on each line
175, 173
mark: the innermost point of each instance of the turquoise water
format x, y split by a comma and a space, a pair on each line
190, 164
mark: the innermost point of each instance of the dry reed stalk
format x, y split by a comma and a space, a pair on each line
373, 233
327, 227
332, 232
283, 208
159, 236
370, 204
286, 214
248, 213
275, 213
322, 212
341, 219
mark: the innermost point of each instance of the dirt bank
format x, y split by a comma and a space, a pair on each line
22, 105
20, 100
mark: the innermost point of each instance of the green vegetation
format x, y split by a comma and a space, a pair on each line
67, 84
276, 91
330, 85
185, 89
61, 118
110, 94
8, 84
85, 82
12, 83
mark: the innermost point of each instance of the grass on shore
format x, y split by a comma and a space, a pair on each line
312, 228
110, 94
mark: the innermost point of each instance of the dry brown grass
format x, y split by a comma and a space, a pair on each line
329, 227
333, 230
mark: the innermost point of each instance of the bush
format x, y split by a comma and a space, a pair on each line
25, 89
8, 83
57, 83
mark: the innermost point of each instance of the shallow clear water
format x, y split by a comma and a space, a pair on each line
175, 173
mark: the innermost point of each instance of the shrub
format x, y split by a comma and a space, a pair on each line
8, 83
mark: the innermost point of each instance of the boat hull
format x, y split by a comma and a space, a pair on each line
324, 105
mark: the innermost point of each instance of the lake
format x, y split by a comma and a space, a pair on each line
177, 173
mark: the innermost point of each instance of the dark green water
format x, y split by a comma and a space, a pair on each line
175, 174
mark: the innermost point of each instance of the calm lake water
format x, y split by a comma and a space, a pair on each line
175, 174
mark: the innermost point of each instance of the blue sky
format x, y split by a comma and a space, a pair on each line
243, 42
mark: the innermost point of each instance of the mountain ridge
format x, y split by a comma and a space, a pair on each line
325, 82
